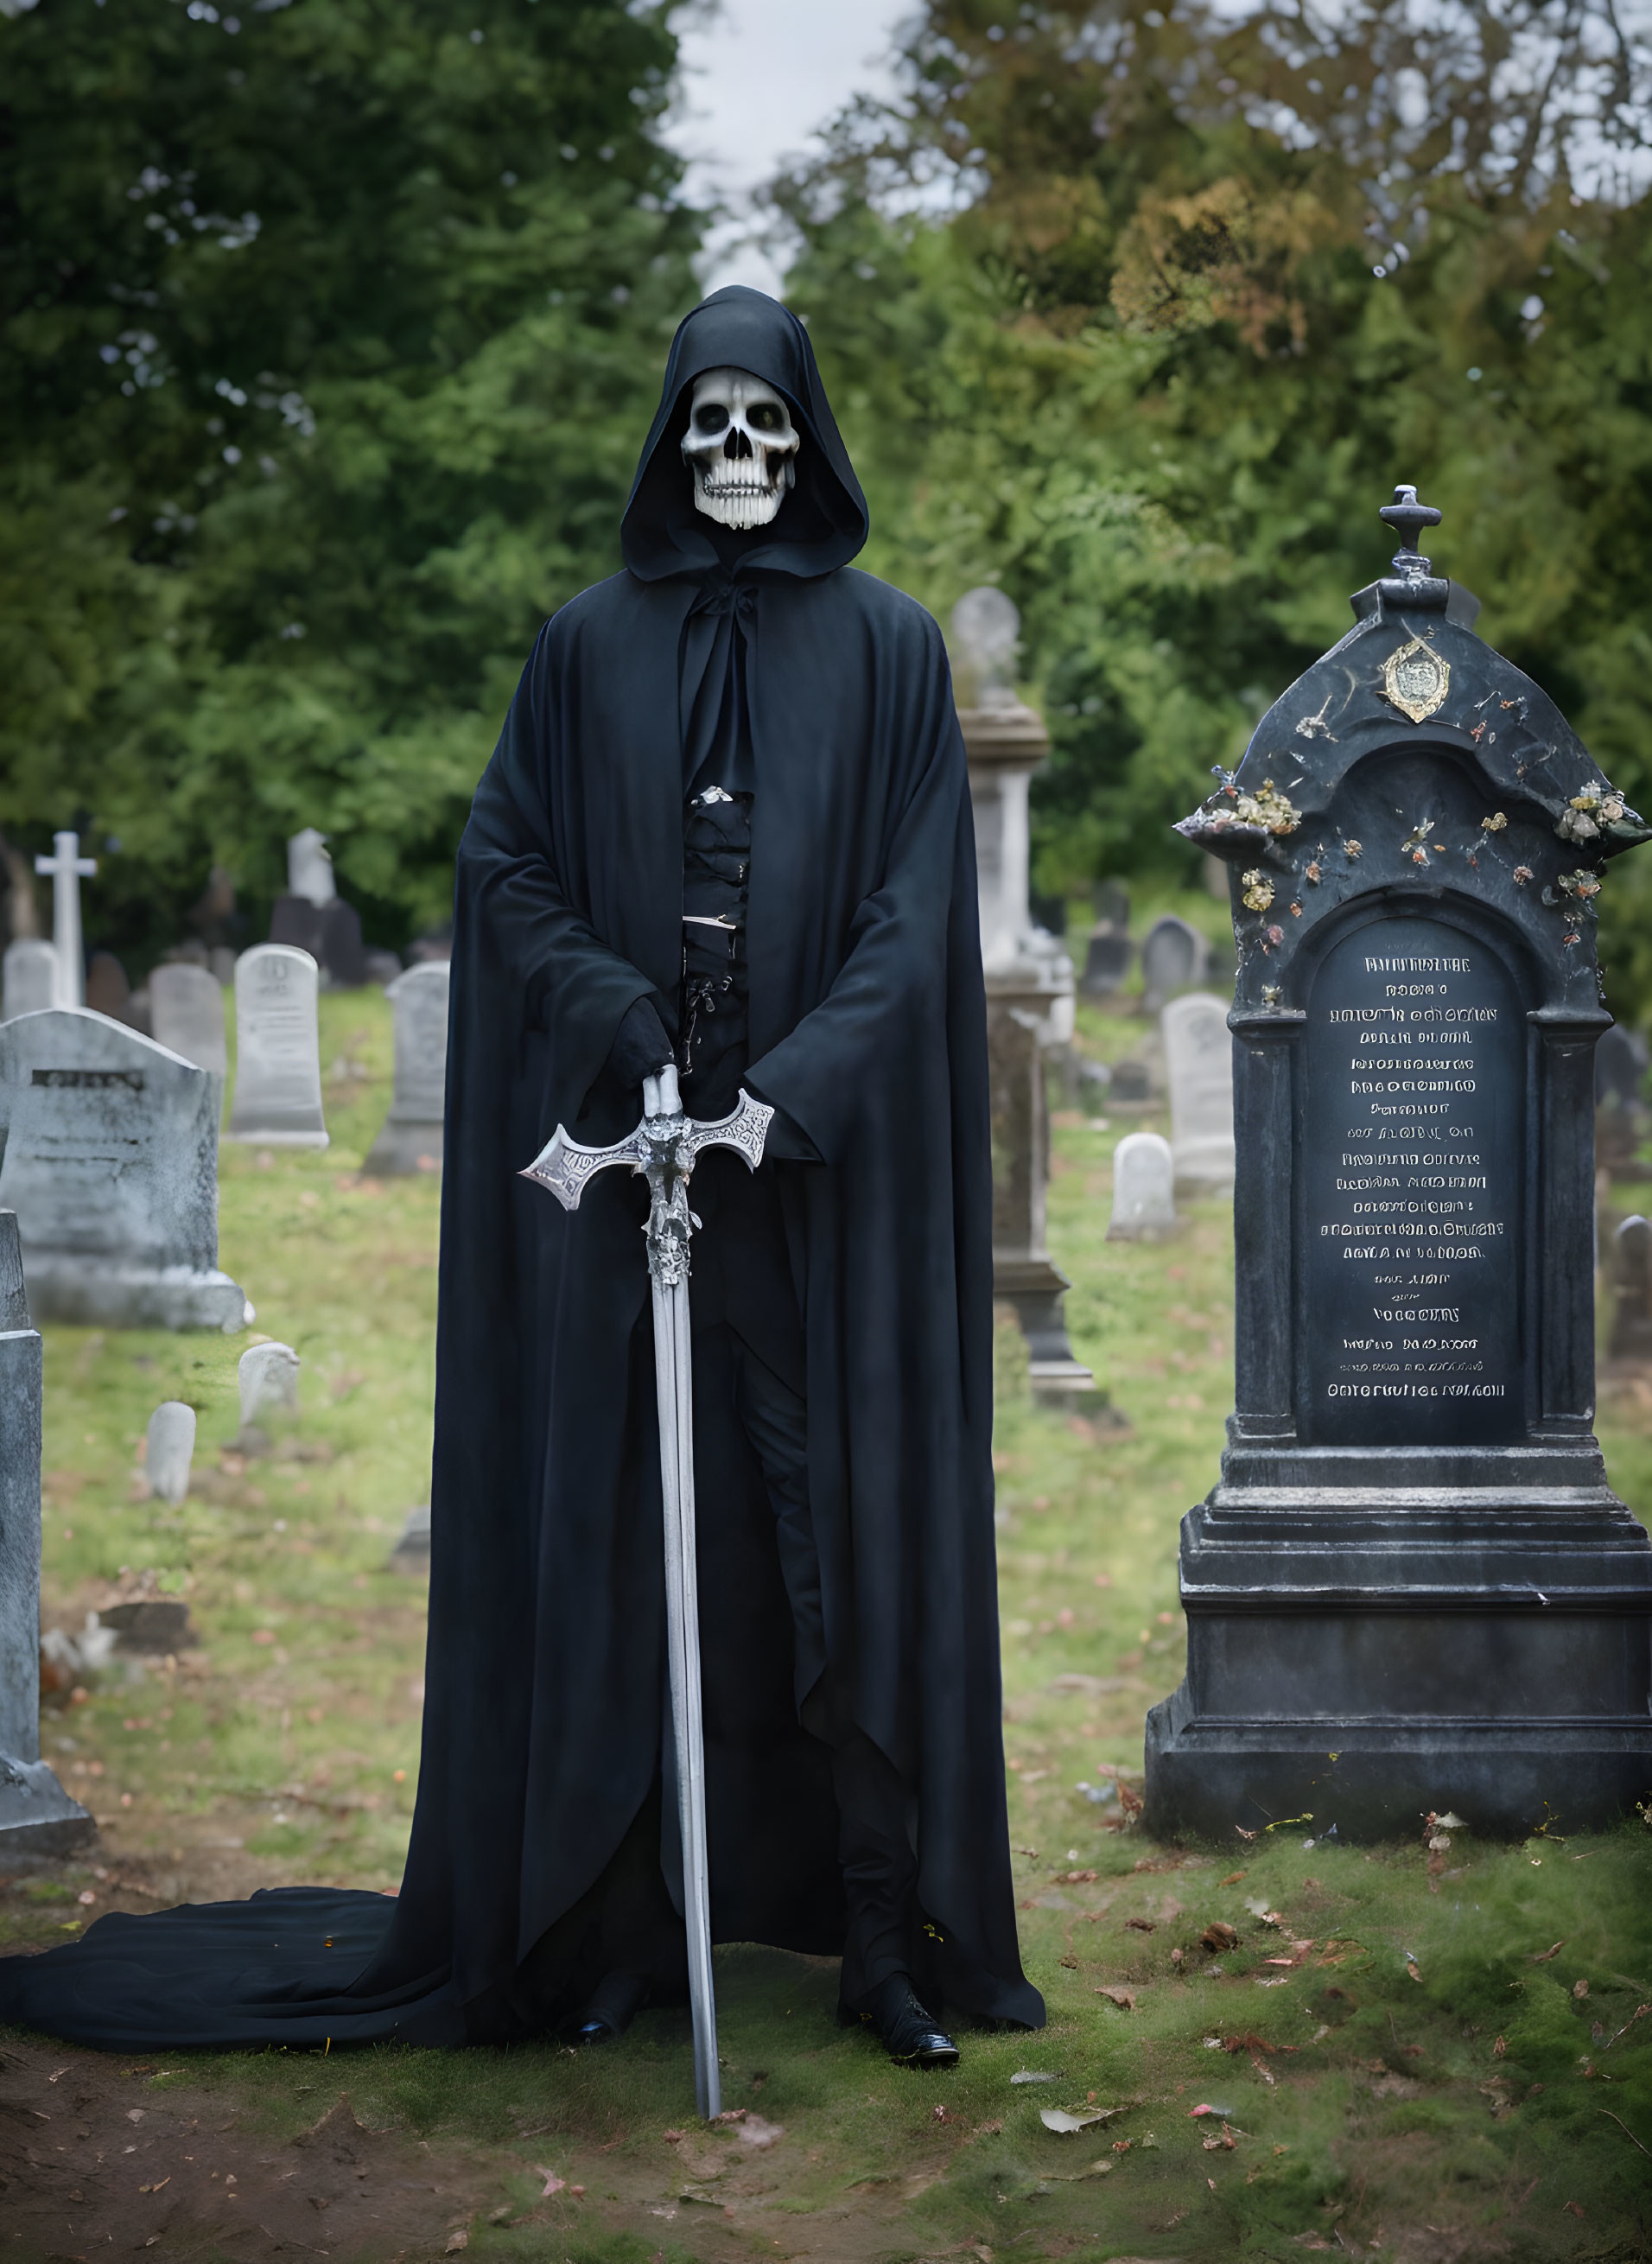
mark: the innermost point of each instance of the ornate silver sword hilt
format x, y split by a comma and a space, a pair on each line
663, 1148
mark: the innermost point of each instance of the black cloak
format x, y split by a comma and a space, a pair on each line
545, 1706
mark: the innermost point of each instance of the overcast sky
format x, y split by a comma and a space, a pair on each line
759, 78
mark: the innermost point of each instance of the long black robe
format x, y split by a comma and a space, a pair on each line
545, 1702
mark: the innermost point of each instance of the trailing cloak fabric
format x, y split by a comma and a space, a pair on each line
546, 1708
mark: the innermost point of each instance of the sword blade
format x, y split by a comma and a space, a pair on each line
674, 1383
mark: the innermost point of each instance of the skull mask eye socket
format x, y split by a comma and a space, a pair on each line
766, 416
710, 416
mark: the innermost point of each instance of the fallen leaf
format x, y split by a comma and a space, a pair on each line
672, 2138
1500, 2048
1542, 1956
1193, 2113
1125, 1999
159, 2183
1232, 1879
1060, 2120
1223, 2143
990, 2129
1219, 1936
1575, 2208
554, 2185
456, 2241
1076, 1878
1411, 1967
1580, 1988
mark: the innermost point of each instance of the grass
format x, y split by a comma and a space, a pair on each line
1393, 2064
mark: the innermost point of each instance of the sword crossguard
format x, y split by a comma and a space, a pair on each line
663, 1149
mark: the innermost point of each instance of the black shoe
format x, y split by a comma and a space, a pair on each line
615, 2002
907, 2030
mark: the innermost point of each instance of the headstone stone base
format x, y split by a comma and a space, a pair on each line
89, 1291
1361, 1651
37, 1816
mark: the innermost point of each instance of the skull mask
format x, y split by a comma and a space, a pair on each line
740, 446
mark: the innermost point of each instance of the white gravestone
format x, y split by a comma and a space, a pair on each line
67, 869
31, 977
36, 1814
309, 868
169, 1449
410, 1139
186, 1015
268, 1377
278, 1049
1198, 1067
1143, 1189
111, 1164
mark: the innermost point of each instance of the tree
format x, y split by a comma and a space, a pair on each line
330, 331
1208, 287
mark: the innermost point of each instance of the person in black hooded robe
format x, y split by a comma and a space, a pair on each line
727, 823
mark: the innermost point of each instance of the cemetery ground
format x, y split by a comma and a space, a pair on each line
1268, 2046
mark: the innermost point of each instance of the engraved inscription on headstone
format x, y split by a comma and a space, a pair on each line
277, 1100
1412, 1175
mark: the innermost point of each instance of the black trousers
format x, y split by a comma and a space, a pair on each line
742, 1284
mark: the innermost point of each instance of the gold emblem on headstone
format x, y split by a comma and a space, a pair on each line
1415, 679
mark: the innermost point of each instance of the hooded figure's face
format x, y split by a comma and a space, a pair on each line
740, 448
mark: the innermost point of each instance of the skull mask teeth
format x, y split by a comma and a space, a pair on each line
741, 447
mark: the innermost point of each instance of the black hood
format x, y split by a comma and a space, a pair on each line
823, 522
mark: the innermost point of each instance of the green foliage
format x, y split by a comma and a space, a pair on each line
1204, 303
328, 336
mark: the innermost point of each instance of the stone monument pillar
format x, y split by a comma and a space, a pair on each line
1029, 983
1412, 1588
37, 1816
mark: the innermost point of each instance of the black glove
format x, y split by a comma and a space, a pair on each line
641, 1047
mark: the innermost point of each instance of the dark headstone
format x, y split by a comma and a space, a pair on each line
1132, 1084
330, 933
1620, 1066
107, 989
1110, 901
1106, 963
1047, 912
1413, 1589
1172, 960
1632, 1288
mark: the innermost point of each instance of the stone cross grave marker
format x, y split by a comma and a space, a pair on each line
67, 869
37, 1816
277, 1100
1198, 1067
1143, 1189
186, 1015
31, 977
410, 1139
111, 1164
1173, 957
1412, 1588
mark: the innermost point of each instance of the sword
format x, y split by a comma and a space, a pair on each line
663, 1148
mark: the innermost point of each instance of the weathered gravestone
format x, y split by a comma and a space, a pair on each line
1109, 952
1620, 1064
169, 1450
1413, 1588
1143, 1189
1632, 1288
186, 1015
410, 1139
36, 1815
109, 1148
1029, 982
1198, 1067
277, 1100
1173, 957
313, 916
31, 977
107, 988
